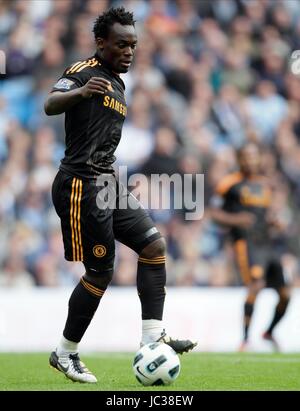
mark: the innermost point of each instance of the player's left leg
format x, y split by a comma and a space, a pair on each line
151, 281
248, 261
254, 287
135, 228
275, 279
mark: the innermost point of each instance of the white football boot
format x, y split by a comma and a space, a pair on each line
72, 367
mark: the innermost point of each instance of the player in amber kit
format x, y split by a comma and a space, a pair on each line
242, 203
91, 94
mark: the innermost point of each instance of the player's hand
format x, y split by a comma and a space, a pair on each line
276, 222
95, 85
245, 219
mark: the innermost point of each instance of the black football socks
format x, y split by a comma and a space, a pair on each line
83, 304
151, 281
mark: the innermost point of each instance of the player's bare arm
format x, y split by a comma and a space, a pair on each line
276, 222
58, 102
243, 219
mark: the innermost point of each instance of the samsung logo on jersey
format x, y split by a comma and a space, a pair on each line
260, 199
114, 104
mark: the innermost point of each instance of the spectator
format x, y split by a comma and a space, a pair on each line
207, 77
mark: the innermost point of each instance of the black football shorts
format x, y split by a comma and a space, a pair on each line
89, 229
257, 262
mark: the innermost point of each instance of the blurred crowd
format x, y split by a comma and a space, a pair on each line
207, 77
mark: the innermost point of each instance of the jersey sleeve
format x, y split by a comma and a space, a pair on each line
71, 80
229, 200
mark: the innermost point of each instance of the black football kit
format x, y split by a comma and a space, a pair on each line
93, 131
252, 246
95, 209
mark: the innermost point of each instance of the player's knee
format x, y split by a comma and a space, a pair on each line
255, 286
251, 297
284, 294
155, 249
99, 278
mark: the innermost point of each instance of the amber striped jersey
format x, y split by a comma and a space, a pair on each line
247, 194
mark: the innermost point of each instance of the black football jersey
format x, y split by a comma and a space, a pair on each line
238, 194
93, 126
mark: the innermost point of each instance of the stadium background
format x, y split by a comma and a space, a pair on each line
207, 76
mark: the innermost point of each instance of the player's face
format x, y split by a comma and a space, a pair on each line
119, 47
250, 160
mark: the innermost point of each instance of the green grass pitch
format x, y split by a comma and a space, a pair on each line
199, 371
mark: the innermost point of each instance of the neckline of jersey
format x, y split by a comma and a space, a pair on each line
113, 73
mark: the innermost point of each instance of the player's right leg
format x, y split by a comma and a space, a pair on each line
252, 276
248, 312
83, 223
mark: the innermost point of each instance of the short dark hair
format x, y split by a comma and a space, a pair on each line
110, 17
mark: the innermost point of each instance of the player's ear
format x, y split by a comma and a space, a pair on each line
100, 43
